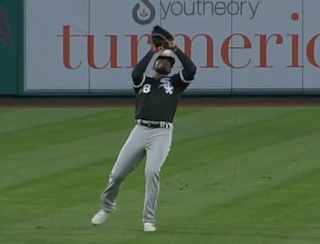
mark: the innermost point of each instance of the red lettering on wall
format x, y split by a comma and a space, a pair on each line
294, 51
134, 46
264, 40
113, 47
188, 47
110, 53
66, 48
225, 49
311, 51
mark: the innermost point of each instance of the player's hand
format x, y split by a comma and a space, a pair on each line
172, 44
163, 38
155, 49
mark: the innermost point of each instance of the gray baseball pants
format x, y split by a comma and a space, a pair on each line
154, 143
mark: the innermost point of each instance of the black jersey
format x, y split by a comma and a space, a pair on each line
157, 99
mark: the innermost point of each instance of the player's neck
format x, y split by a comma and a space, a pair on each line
159, 76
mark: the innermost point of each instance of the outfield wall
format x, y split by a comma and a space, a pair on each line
88, 47
11, 47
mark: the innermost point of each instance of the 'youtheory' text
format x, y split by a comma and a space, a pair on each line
209, 7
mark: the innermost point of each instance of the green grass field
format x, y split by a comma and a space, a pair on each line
234, 176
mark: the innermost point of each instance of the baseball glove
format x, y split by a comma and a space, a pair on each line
161, 37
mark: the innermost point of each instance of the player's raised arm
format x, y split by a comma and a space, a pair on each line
189, 68
138, 73
162, 36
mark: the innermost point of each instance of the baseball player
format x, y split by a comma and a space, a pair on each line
156, 103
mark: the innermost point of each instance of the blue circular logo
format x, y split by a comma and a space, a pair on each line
143, 16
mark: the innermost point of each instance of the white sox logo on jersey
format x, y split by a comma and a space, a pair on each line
166, 85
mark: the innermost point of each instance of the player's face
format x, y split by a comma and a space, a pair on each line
163, 66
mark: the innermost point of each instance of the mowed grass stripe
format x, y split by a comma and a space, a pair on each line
225, 181
286, 211
69, 154
195, 226
177, 210
186, 214
217, 119
16, 120
205, 176
63, 131
57, 157
78, 123
240, 139
93, 140
42, 163
288, 120
254, 173
4, 111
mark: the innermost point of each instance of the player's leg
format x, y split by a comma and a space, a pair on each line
132, 152
157, 152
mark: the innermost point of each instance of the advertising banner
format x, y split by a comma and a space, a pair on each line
238, 46
55, 57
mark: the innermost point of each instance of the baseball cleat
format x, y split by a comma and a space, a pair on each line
149, 227
99, 218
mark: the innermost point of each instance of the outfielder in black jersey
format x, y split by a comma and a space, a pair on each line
157, 98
